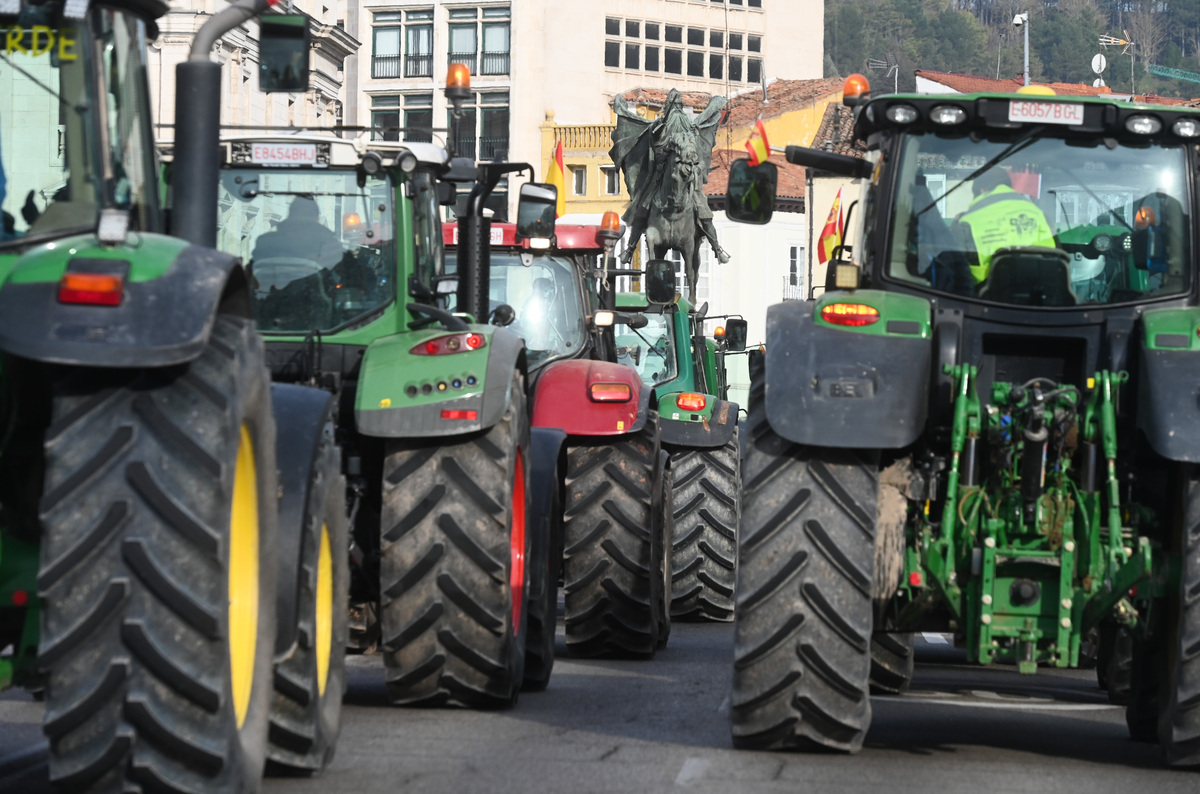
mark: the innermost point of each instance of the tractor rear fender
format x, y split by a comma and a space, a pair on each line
385, 409
709, 430
841, 385
303, 416
584, 398
1167, 385
164, 317
545, 479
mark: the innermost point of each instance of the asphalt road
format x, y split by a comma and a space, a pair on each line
617, 726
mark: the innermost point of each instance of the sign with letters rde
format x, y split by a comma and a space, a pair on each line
38, 40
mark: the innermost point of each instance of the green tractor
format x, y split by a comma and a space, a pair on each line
343, 244
169, 521
976, 434
699, 428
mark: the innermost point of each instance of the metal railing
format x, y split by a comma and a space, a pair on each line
464, 147
494, 63
792, 292
467, 58
385, 66
492, 147
418, 65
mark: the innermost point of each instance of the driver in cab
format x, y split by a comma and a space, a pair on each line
999, 217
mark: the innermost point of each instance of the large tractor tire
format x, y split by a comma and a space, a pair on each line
613, 577
802, 629
891, 663
309, 684
453, 573
157, 574
1179, 717
707, 494
1114, 662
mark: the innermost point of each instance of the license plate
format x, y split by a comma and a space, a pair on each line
1045, 112
283, 154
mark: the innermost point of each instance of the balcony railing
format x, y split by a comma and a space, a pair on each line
493, 147
584, 137
494, 63
464, 147
418, 66
385, 66
792, 292
467, 58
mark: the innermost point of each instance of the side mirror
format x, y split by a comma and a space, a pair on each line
447, 194
284, 44
537, 210
736, 331
660, 281
750, 197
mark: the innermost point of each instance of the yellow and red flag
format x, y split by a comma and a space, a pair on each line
557, 176
831, 235
758, 146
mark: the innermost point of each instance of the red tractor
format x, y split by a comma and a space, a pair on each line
600, 476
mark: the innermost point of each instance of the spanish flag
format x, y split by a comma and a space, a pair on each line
557, 177
831, 235
758, 146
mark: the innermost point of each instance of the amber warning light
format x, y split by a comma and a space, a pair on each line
458, 82
854, 89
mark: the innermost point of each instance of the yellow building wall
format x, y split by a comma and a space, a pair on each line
795, 127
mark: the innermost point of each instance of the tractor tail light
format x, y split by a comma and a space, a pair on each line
610, 392
448, 345
852, 314
690, 401
94, 289
470, 416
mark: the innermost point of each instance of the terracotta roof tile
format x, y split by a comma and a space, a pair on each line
657, 97
836, 133
971, 84
791, 177
784, 96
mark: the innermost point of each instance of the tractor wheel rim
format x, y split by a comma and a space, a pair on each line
517, 544
324, 617
243, 577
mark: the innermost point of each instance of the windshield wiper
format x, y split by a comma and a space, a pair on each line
1014, 147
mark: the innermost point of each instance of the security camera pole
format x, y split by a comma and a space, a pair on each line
1022, 21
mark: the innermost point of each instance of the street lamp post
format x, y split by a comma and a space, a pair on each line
1022, 21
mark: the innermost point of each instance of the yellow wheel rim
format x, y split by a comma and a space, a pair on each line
324, 620
243, 577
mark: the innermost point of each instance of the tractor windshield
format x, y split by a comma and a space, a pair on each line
546, 299
1039, 219
75, 135
320, 250
650, 349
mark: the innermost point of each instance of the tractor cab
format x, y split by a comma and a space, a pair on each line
317, 222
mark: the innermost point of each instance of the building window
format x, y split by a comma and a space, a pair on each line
674, 61
493, 126
418, 118
386, 31
794, 266
612, 27
612, 180
753, 70
715, 63
735, 68
612, 54
578, 180
695, 37
675, 34
695, 64
631, 29
466, 38
418, 58
754, 43
652, 59
632, 51
716, 39
652, 31
754, 3
385, 118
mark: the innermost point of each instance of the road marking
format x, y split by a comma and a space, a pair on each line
934, 639
693, 770
998, 703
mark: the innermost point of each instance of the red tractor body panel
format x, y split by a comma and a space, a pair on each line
576, 238
563, 398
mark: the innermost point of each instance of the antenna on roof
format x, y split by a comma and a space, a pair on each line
890, 66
